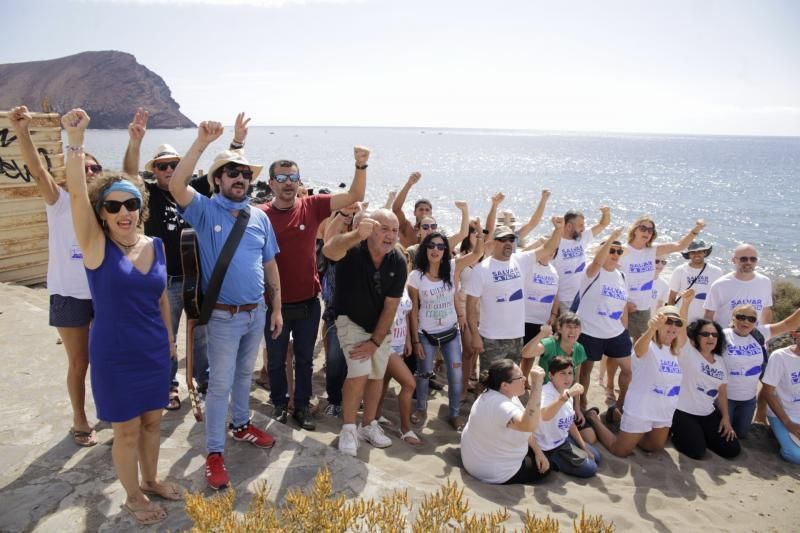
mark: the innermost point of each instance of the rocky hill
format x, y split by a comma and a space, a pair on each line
109, 85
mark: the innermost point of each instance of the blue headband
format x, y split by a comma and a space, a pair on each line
122, 186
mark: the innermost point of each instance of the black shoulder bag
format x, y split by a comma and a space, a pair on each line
678, 299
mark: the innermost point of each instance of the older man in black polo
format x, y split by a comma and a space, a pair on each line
370, 276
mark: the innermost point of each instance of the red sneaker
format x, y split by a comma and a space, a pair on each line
253, 435
216, 475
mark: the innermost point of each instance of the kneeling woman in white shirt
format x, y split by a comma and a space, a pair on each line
497, 445
557, 435
653, 393
698, 423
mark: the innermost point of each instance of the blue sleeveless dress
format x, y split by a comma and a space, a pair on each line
129, 358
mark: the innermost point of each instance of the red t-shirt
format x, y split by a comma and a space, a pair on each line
296, 231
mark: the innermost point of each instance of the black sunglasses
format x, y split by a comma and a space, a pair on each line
234, 173
661, 261
164, 166
428, 226
745, 259
708, 334
749, 318
281, 178
131, 204
507, 238
438, 245
96, 169
674, 322
646, 229
617, 251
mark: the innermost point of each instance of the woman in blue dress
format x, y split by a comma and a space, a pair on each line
130, 341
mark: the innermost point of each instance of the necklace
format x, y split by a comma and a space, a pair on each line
127, 247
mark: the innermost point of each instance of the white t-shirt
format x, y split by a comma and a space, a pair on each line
639, 267
602, 306
700, 383
541, 286
744, 359
490, 450
400, 325
683, 276
660, 294
656, 383
570, 261
66, 275
499, 285
728, 292
552, 433
783, 373
437, 304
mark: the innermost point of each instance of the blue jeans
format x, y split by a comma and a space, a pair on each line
335, 365
451, 352
233, 341
199, 338
304, 336
741, 414
586, 469
789, 450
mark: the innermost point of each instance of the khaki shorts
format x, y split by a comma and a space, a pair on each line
350, 334
637, 323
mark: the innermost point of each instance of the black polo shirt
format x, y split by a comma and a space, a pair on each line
166, 223
361, 289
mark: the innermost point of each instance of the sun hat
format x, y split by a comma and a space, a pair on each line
503, 231
165, 151
697, 246
231, 156
669, 310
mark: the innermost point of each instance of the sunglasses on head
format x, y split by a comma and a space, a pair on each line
674, 322
708, 334
281, 178
234, 173
131, 204
748, 318
618, 251
429, 226
646, 229
745, 259
164, 166
661, 261
438, 245
96, 169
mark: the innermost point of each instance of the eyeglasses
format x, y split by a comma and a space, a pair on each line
512, 380
428, 226
507, 238
438, 245
674, 322
618, 251
661, 261
281, 178
745, 259
164, 166
708, 334
646, 229
96, 169
234, 173
748, 318
131, 204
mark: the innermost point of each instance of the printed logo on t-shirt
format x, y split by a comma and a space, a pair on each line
641, 268
710, 371
75, 253
542, 279
572, 253
747, 350
613, 292
545, 299
506, 274
565, 423
752, 371
516, 295
712, 393
674, 391
669, 367
795, 376
758, 303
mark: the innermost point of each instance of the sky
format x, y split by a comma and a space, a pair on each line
677, 66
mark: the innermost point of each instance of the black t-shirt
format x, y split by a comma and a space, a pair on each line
165, 223
360, 288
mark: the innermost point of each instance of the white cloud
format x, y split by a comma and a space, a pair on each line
231, 3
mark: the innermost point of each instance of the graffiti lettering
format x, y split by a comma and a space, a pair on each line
4, 140
12, 170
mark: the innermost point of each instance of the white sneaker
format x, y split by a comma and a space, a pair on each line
348, 441
374, 434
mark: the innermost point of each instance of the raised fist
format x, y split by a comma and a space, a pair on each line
498, 198
365, 227
461, 204
361, 153
20, 118
209, 131
414, 178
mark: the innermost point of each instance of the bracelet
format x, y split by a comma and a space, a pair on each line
361, 167
373, 341
416, 342
236, 146
74, 149
695, 233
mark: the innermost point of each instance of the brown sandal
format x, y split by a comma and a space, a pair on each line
85, 439
174, 400
152, 513
166, 489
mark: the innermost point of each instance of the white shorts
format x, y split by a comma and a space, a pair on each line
633, 424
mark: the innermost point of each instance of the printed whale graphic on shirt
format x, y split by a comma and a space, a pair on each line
516, 295
646, 287
674, 391
700, 296
712, 393
545, 299
581, 267
752, 371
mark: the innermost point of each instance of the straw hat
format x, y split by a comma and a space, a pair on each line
231, 156
165, 151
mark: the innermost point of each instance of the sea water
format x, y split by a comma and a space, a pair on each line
745, 188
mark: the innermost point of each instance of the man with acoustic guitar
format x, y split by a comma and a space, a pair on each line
248, 278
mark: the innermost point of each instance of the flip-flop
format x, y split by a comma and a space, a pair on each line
382, 420
411, 438
85, 439
153, 514
167, 489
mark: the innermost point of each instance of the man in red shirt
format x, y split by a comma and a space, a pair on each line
295, 222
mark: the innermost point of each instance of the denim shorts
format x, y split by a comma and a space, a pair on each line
615, 347
69, 312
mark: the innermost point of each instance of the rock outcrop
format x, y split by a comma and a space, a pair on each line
109, 85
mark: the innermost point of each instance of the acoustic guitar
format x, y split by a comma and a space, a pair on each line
192, 301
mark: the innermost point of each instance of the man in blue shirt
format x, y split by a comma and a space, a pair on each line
237, 322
